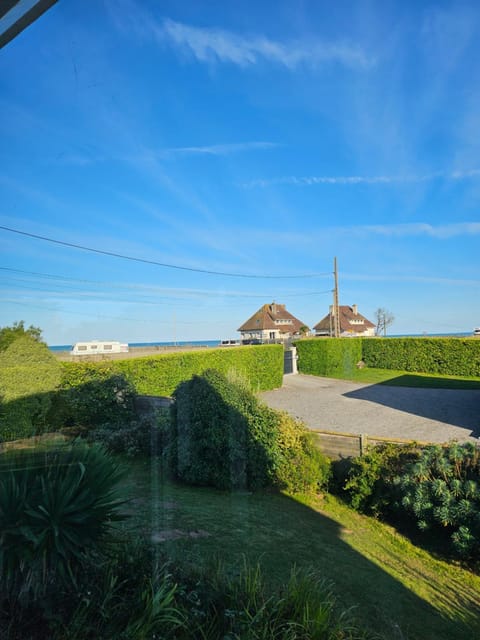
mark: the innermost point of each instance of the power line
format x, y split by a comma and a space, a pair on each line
103, 316
174, 293
158, 264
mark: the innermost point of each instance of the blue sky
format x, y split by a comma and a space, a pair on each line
254, 138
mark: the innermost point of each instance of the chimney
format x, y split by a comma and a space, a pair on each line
355, 309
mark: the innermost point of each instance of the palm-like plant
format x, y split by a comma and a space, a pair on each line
56, 510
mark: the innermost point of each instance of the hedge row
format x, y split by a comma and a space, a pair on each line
159, 375
38, 393
329, 356
338, 356
449, 356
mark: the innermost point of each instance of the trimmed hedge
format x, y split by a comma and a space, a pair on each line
223, 436
38, 393
338, 356
449, 356
328, 356
160, 375
29, 375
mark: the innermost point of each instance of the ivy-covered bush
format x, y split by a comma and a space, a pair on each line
29, 375
441, 491
449, 356
223, 436
329, 356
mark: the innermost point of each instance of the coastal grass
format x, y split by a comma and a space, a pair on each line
396, 589
394, 378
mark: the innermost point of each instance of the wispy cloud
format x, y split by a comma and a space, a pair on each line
216, 45
209, 44
443, 231
217, 149
83, 160
304, 181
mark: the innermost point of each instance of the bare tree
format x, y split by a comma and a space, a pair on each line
384, 319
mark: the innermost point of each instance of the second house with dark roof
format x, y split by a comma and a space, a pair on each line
271, 323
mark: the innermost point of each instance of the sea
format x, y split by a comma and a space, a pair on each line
179, 343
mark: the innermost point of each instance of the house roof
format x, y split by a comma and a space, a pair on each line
347, 314
266, 316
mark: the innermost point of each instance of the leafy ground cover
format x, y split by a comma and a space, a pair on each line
397, 589
407, 379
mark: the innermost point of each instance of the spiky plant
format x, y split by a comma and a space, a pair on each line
442, 492
57, 506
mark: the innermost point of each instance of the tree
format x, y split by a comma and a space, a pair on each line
18, 330
384, 319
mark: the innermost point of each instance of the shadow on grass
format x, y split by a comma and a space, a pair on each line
451, 406
423, 381
280, 532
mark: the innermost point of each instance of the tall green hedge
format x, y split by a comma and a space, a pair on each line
29, 375
328, 356
338, 356
449, 356
160, 375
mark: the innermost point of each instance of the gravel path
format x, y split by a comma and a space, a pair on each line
429, 415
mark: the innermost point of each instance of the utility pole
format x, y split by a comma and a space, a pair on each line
336, 315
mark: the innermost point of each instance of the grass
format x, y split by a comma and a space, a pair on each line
407, 379
398, 590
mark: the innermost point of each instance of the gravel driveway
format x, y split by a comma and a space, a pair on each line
429, 415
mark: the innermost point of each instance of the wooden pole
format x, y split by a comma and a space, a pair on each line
336, 316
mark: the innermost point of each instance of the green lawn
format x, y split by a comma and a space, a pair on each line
375, 569
408, 379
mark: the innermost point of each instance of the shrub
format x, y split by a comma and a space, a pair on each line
147, 435
329, 356
56, 509
370, 485
222, 436
441, 491
29, 375
8, 335
303, 468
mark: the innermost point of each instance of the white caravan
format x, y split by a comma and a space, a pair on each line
98, 347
